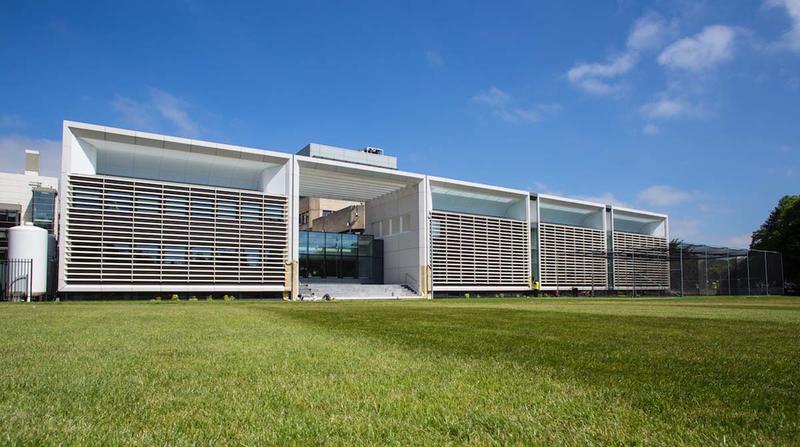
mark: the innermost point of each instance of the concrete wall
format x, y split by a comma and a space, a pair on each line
346, 219
395, 218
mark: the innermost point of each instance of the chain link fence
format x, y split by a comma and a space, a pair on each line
704, 270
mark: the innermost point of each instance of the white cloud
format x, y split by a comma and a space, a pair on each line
494, 97
434, 58
615, 67
685, 229
500, 104
666, 106
738, 241
662, 196
596, 78
791, 39
133, 114
651, 130
160, 107
702, 51
12, 152
173, 109
605, 198
11, 122
648, 32
543, 188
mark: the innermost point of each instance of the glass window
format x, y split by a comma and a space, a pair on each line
349, 244
44, 208
226, 209
331, 270
148, 253
334, 255
332, 243
315, 266
365, 245
175, 254
316, 243
252, 257
349, 267
302, 245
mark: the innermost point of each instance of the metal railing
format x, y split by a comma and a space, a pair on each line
16, 279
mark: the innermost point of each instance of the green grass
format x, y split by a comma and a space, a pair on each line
700, 371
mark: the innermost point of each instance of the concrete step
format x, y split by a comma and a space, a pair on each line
356, 291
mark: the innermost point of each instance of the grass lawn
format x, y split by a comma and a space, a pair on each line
694, 371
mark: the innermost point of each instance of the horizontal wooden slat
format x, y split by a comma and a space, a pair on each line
142, 231
573, 256
640, 261
470, 250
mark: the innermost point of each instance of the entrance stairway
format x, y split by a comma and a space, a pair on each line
342, 291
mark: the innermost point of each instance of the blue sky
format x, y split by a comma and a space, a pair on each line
690, 108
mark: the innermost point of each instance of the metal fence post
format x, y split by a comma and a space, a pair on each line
30, 279
706, 261
749, 292
633, 269
728, 259
766, 274
680, 251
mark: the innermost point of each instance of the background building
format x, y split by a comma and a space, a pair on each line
315, 212
26, 197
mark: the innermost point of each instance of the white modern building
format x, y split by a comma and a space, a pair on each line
151, 214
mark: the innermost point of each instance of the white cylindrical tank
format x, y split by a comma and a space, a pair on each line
27, 242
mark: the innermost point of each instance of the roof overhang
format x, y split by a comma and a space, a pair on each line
347, 181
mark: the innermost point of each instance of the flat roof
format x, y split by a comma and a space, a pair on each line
323, 177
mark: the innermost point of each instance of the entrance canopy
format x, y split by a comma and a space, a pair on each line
345, 181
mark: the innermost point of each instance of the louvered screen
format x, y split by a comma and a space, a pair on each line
573, 257
140, 232
478, 251
640, 261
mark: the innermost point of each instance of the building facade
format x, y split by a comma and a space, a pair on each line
27, 198
151, 213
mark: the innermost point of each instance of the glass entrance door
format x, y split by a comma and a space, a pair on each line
340, 257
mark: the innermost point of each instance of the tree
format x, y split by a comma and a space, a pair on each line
781, 232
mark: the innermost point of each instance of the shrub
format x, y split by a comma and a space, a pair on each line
174, 297
210, 298
158, 298
193, 298
466, 295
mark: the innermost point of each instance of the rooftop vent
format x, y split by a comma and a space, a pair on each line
373, 150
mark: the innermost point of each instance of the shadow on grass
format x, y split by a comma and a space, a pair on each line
738, 376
